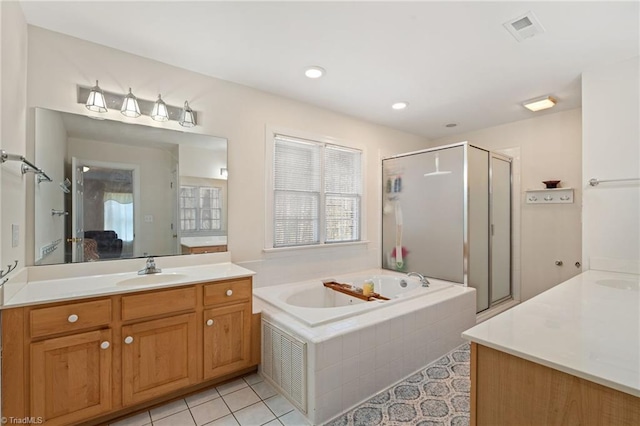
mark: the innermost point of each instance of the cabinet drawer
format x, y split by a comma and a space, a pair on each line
158, 303
71, 317
227, 291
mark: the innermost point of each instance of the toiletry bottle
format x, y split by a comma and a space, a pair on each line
367, 288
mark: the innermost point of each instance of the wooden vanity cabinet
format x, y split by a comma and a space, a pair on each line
227, 330
71, 377
83, 361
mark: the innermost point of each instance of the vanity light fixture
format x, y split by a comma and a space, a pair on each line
130, 107
224, 172
159, 111
314, 72
187, 119
95, 101
539, 104
399, 105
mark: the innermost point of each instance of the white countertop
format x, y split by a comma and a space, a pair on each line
204, 241
80, 287
588, 326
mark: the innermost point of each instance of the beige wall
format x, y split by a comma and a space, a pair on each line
611, 127
57, 63
550, 148
13, 97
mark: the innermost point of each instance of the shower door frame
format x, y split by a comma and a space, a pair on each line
465, 243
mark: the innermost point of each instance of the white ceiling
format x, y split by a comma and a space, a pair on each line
452, 61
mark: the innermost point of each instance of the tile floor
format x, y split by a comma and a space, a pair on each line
438, 395
248, 401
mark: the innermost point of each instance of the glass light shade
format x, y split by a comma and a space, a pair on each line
159, 111
187, 118
540, 103
130, 106
95, 101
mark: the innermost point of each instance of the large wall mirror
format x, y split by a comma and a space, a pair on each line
123, 190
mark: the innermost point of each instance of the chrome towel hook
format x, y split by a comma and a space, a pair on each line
9, 269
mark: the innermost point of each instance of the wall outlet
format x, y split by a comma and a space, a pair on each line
15, 235
148, 218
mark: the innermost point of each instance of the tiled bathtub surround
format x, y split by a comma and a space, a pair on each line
351, 360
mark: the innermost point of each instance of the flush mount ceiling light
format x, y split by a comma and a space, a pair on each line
399, 105
159, 111
539, 103
130, 107
187, 119
95, 101
314, 72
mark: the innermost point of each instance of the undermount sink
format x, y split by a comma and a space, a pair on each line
153, 279
620, 284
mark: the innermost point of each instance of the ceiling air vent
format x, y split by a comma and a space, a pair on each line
524, 26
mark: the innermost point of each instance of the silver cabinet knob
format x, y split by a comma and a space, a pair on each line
559, 263
72, 318
209, 323
105, 345
128, 340
229, 292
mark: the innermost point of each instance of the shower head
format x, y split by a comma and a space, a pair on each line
437, 172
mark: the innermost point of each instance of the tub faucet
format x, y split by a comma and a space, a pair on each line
150, 267
425, 282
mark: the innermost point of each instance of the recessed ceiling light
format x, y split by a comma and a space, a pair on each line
400, 105
540, 103
314, 72
451, 125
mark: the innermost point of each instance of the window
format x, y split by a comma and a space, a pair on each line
317, 191
118, 214
200, 208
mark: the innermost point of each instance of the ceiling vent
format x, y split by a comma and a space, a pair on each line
524, 27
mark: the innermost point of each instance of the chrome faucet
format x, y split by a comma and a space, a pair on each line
150, 267
425, 282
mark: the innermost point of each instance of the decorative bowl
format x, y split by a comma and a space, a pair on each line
551, 183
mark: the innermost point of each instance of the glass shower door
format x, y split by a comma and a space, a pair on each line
500, 229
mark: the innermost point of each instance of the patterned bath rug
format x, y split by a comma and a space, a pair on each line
438, 395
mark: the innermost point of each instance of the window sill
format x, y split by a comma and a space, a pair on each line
283, 250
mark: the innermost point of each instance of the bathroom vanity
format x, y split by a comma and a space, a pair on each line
571, 355
127, 342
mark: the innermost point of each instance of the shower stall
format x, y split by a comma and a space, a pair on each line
447, 215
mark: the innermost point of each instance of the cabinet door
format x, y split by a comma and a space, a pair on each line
158, 357
227, 339
71, 377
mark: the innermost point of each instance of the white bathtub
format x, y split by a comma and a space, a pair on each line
314, 304
349, 350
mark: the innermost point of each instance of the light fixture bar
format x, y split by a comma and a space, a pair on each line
539, 104
114, 102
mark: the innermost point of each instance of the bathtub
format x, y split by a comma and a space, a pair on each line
327, 352
314, 304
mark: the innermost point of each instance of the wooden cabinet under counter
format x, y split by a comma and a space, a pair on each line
508, 390
203, 249
90, 361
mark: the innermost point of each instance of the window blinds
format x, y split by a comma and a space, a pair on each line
317, 188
